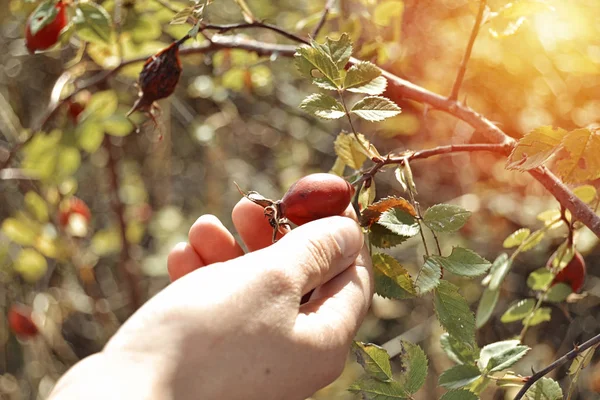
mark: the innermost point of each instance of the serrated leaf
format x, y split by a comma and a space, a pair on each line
373, 389
323, 106
366, 195
453, 312
311, 59
405, 177
375, 108
582, 163
414, 367
399, 222
42, 16
586, 193
324, 83
459, 376
429, 276
383, 238
374, 360
372, 213
463, 262
458, 351
398, 284
349, 151
582, 360
501, 355
339, 50
544, 389
518, 310
533, 240
499, 270
535, 148
541, 315
31, 265
486, 306
550, 217
459, 395
182, 16
516, 238
558, 293
93, 23
540, 279
37, 206
365, 77
446, 217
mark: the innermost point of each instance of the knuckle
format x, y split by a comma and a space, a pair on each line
320, 254
279, 281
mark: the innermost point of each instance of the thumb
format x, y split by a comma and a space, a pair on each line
316, 252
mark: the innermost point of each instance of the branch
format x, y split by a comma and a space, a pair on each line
255, 24
567, 357
463, 65
126, 265
326, 10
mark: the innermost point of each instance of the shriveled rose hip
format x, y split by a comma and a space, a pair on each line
573, 273
20, 322
316, 196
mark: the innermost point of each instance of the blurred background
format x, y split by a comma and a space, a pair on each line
235, 117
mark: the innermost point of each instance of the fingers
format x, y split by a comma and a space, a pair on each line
252, 225
212, 241
182, 260
316, 252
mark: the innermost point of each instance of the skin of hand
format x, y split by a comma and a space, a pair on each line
231, 325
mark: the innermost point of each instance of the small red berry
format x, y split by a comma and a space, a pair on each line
73, 205
316, 196
20, 322
74, 110
573, 273
47, 21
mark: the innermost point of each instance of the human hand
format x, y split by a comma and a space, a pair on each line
233, 328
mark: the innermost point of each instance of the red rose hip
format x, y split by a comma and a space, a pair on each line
73, 205
573, 273
20, 322
52, 19
316, 196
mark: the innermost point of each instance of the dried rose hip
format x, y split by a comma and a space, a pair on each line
44, 26
310, 198
20, 322
73, 205
316, 196
573, 273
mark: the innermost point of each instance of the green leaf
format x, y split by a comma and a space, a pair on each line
429, 276
68, 162
558, 293
93, 23
385, 12
89, 134
338, 50
43, 15
399, 222
518, 310
582, 360
365, 77
375, 108
106, 242
414, 367
453, 312
459, 395
459, 376
31, 265
501, 355
535, 148
348, 150
539, 316
118, 125
37, 206
545, 389
486, 306
458, 351
540, 279
19, 231
383, 238
374, 360
311, 61
101, 106
182, 16
323, 106
533, 240
391, 279
516, 238
376, 390
550, 217
446, 217
463, 262
499, 270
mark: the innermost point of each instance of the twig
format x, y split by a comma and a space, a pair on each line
326, 10
126, 265
531, 380
255, 24
463, 65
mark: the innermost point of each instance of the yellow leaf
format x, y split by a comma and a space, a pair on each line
582, 163
586, 193
535, 148
347, 149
